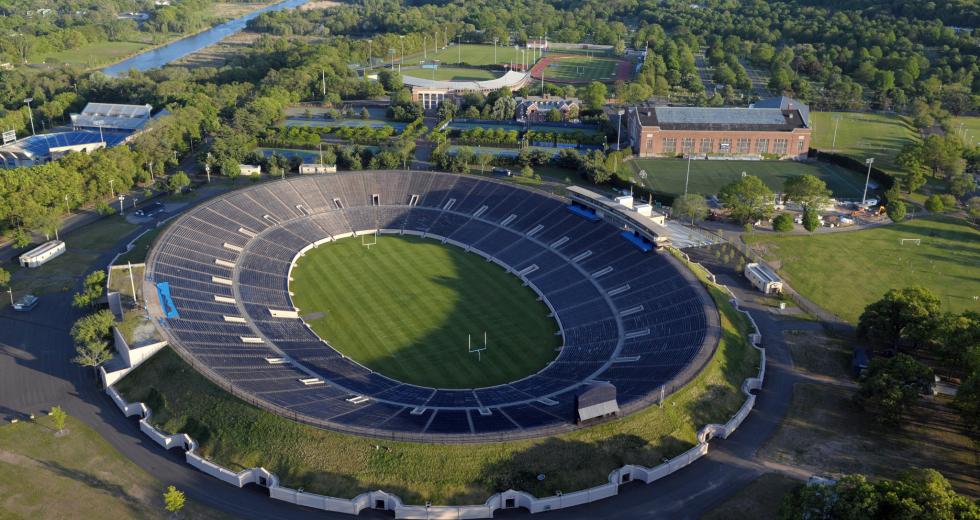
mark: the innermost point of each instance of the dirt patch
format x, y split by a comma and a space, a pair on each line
819, 356
760, 500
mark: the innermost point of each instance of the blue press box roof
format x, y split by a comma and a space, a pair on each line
39, 146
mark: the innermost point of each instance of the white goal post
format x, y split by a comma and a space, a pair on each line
368, 242
916, 241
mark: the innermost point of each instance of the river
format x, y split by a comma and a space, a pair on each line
161, 56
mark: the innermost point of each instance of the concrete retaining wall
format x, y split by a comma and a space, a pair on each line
130, 357
507, 499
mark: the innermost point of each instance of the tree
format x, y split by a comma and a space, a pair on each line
967, 403
973, 208
230, 168
484, 160
173, 500
595, 95
921, 493
91, 335
91, 290
891, 385
809, 190
692, 206
748, 199
58, 416
934, 203
177, 182
896, 210
4, 278
811, 219
527, 172
365, 113
783, 223
911, 313
554, 115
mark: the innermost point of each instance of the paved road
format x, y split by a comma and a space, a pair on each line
35, 374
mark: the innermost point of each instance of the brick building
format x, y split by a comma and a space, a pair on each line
536, 109
778, 127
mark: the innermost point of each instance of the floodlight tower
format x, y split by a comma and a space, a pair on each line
30, 113
869, 161
99, 124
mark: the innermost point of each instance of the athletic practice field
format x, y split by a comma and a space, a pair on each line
708, 177
474, 54
405, 306
863, 135
581, 69
843, 272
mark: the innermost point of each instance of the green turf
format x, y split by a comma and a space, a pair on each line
94, 54
582, 68
844, 272
453, 74
861, 136
237, 435
968, 128
708, 177
473, 54
405, 306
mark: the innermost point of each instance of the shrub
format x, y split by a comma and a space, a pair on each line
935, 204
783, 223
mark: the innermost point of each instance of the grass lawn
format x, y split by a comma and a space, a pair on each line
582, 68
83, 248
843, 272
140, 248
405, 306
760, 500
77, 475
970, 131
94, 54
453, 74
708, 177
238, 435
473, 54
862, 135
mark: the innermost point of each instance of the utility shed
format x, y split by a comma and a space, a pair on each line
598, 400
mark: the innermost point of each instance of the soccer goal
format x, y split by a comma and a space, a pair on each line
916, 241
370, 239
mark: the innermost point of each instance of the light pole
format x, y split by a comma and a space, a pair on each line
688, 176
151, 171
30, 113
495, 54
99, 124
869, 161
619, 126
207, 167
11, 293
401, 59
320, 147
836, 124
425, 56
121, 200
459, 49
111, 192
370, 53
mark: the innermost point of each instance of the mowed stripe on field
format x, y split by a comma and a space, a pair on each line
405, 306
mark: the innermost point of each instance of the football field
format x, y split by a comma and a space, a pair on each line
581, 69
406, 306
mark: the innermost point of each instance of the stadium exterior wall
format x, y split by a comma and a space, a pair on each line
503, 500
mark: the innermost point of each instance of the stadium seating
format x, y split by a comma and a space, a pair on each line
627, 317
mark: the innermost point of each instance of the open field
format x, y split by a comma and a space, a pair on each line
472, 54
83, 248
969, 131
844, 272
708, 177
405, 307
453, 74
141, 247
238, 435
77, 475
94, 54
861, 136
228, 10
337, 123
825, 431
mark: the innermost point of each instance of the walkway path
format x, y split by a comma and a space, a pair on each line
36, 374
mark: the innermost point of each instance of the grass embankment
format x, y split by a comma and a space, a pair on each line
405, 307
844, 272
141, 247
708, 177
77, 475
862, 135
238, 435
83, 248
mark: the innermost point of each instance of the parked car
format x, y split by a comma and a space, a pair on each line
503, 172
150, 210
26, 303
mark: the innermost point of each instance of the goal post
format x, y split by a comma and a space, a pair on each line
916, 241
369, 239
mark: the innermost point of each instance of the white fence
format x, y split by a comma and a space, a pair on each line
505, 500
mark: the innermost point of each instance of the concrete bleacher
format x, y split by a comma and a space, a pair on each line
627, 317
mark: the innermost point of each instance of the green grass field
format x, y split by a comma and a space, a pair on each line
844, 272
864, 135
970, 129
582, 68
453, 74
708, 177
93, 54
405, 306
76, 475
474, 54
237, 435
